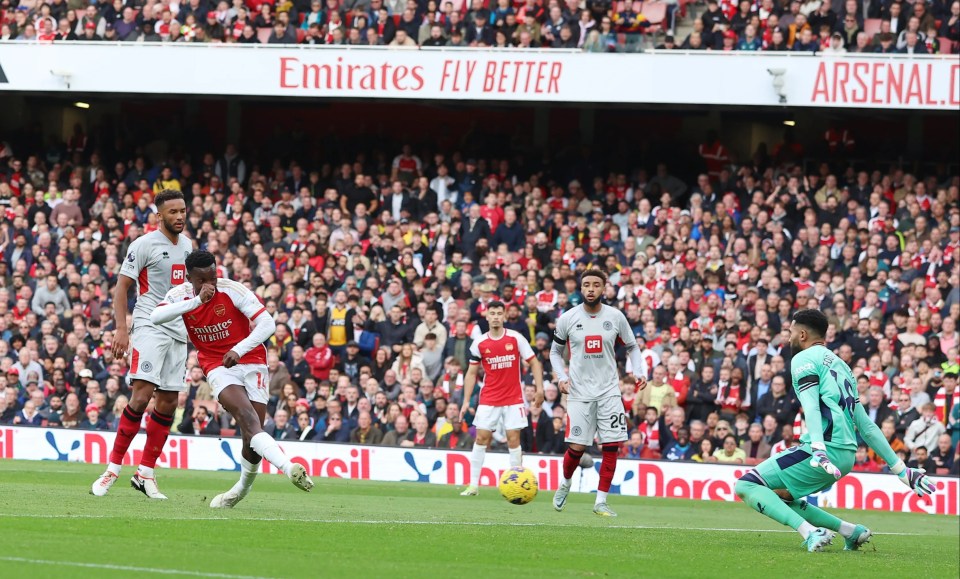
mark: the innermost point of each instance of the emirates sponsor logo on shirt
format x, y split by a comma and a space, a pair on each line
500, 362
213, 332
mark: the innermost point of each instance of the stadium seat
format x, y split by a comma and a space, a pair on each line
656, 13
871, 26
228, 432
301, 34
263, 34
946, 45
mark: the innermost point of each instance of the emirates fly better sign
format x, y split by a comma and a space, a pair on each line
712, 78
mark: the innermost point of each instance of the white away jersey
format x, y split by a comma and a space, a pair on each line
591, 340
157, 266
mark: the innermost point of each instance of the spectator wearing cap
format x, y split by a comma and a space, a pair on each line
351, 362
93, 420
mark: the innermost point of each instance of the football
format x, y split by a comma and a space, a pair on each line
518, 485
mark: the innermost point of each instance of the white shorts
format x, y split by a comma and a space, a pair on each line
585, 419
489, 417
253, 378
158, 359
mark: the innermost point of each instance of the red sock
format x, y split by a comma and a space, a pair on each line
608, 466
571, 460
128, 428
158, 428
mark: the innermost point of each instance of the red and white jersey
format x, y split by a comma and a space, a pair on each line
500, 360
547, 300
220, 324
157, 266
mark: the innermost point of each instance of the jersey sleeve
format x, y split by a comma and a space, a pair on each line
526, 352
246, 301
475, 352
560, 332
627, 336
135, 261
806, 383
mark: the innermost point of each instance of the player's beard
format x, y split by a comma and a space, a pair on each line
173, 227
592, 303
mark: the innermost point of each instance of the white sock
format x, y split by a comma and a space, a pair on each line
516, 456
847, 529
805, 529
145, 472
248, 472
476, 463
566, 482
264, 445
601, 497
114, 468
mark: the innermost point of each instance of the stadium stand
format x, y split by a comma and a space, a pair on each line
594, 25
707, 269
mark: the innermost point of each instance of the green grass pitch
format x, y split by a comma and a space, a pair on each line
51, 527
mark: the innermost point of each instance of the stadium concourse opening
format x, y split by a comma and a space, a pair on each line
617, 138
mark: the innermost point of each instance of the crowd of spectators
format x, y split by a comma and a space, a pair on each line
838, 26
378, 270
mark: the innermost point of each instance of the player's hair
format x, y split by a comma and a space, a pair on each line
814, 320
199, 259
495, 304
594, 272
166, 195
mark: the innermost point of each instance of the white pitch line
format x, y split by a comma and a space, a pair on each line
443, 523
109, 567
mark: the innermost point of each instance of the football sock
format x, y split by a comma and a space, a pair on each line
476, 463
158, 428
128, 428
516, 456
571, 460
846, 529
819, 517
248, 472
766, 502
607, 468
264, 445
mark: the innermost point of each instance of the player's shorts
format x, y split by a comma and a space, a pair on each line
514, 417
791, 470
158, 359
253, 378
587, 418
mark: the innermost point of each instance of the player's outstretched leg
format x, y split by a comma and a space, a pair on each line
127, 429
608, 467
571, 460
477, 457
854, 536
249, 416
754, 492
158, 429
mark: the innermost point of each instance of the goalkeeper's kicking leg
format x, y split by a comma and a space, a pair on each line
256, 444
811, 522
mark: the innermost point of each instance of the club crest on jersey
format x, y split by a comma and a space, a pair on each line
220, 309
509, 347
608, 325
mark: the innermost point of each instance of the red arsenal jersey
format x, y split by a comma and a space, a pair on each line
500, 360
217, 326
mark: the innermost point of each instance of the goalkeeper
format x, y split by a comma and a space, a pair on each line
826, 389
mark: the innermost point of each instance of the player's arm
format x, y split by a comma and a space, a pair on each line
536, 368
560, 336
629, 340
170, 309
806, 382
263, 325
916, 479
469, 381
121, 338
